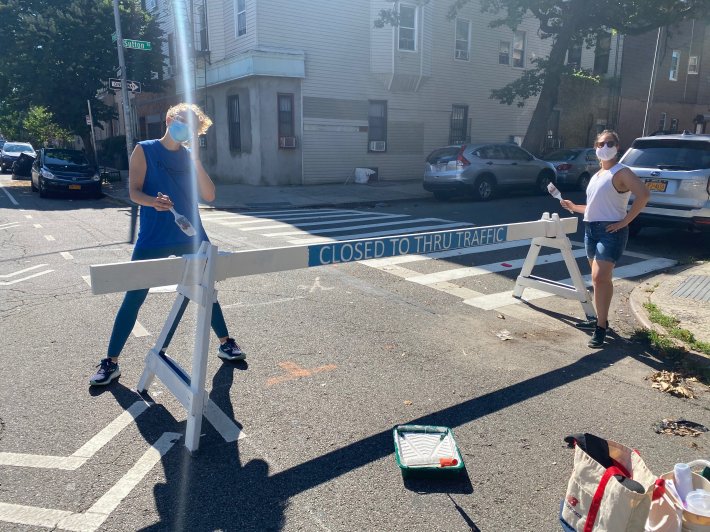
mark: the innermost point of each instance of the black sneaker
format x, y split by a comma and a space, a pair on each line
229, 350
589, 324
108, 371
597, 339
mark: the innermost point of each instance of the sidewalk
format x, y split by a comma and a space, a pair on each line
683, 293
231, 196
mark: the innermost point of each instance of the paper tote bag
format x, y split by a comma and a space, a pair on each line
596, 501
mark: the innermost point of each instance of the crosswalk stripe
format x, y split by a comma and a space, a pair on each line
388, 223
328, 222
472, 271
408, 231
291, 217
267, 214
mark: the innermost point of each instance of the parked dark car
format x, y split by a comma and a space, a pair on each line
22, 167
61, 170
484, 168
575, 166
11, 151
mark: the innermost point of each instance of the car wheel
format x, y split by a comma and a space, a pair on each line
583, 182
545, 178
484, 188
634, 229
42, 189
443, 196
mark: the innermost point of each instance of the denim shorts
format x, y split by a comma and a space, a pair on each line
601, 245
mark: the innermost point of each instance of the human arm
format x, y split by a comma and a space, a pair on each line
573, 207
627, 180
204, 182
136, 177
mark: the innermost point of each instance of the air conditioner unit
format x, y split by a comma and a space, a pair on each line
461, 54
378, 145
287, 142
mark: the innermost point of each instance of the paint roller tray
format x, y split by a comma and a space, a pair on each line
426, 450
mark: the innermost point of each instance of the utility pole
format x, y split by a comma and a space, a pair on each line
93, 135
651, 84
127, 116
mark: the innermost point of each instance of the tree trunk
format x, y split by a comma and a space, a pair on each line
534, 140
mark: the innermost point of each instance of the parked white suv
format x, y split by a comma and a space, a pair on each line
676, 169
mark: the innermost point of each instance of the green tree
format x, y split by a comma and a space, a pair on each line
41, 128
58, 54
567, 22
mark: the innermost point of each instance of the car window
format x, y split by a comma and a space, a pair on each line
17, 148
515, 153
484, 152
591, 156
498, 152
669, 154
65, 157
561, 155
443, 155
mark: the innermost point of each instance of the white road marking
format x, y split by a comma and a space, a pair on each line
85, 452
262, 303
28, 216
94, 517
66, 255
163, 289
328, 222
409, 230
6, 275
386, 223
49, 237
9, 225
266, 214
7, 192
38, 226
7, 283
472, 271
138, 330
335, 214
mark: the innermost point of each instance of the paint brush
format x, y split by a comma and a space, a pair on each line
182, 222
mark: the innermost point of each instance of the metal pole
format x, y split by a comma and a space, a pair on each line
127, 119
93, 135
651, 84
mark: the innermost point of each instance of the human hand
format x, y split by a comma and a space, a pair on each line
162, 202
567, 204
616, 226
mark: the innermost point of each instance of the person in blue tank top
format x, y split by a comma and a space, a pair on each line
606, 225
161, 177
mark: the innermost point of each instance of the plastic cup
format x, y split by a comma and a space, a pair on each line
698, 502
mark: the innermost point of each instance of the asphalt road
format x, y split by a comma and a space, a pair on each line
337, 356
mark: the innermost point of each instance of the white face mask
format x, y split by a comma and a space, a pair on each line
605, 153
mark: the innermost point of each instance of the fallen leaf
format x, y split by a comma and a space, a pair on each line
408, 403
503, 335
500, 316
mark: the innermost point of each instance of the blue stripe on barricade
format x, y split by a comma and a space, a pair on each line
375, 248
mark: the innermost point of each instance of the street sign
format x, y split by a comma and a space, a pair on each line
115, 84
137, 45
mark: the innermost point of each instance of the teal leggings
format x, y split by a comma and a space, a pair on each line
128, 313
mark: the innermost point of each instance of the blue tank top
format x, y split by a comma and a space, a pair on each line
169, 172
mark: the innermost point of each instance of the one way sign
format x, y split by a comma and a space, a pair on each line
115, 84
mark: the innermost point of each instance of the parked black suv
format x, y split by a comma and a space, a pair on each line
676, 169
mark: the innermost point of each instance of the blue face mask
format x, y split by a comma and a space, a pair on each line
179, 131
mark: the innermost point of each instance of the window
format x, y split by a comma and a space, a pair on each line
377, 122
240, 8
235, 134
675, 61
519, 49
693, 64
458, 131
150, 5
601, 53
574, 55
407, 27
662, 122
462, 39
286, 127
674, 125
504, 53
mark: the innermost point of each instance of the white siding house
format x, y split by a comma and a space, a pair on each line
305, 92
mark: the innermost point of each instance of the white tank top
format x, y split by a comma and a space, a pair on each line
604, 202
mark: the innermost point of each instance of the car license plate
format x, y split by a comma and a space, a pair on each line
657, 185
74, 187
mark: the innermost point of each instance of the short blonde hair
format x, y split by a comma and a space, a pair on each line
198, 115
608, 132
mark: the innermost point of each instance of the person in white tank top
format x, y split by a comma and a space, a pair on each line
607, 225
